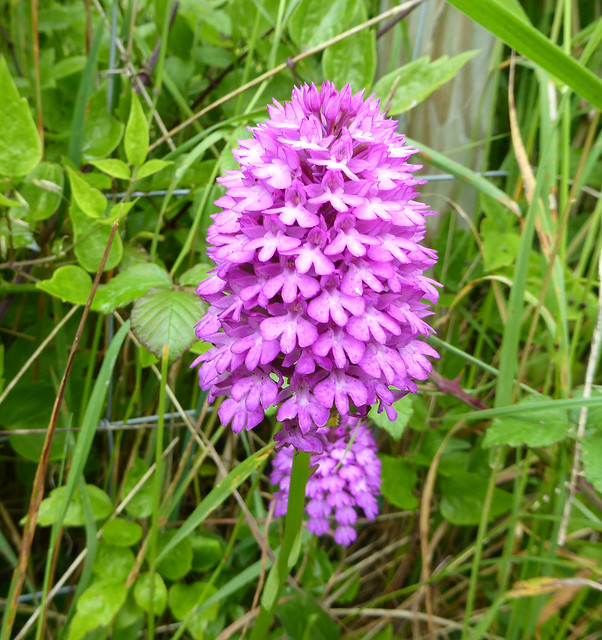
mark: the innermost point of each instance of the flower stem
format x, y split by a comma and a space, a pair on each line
289, 550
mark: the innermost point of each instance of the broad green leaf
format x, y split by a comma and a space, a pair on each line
195, 274
500, 248
119, 210
591, 450
113, 167
130, 285
152, 166
69, 283
166, 317
142, 593
97, 606
102, 131
68, 66
176, 563
88, 199
398, 480
404, 88
91, 239
183, 598
141, 504
302, 618
43, 190
315, 21
207, 551
464, 498
534, 428
20, 148
75, 515
121, 532
6, 202
396, 427
128, 615
512, 28
18, 413
217, 495
112, 561
136, 134
352, 61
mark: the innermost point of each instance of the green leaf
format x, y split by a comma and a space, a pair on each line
141, 505
91, 239
69, 283
352, 61
464, 498
302, 619
500, 248
6, 202
152, 166
136, 134
88, 199
121, 532
102, 131
405, 87
207, 551
183, 598
43, 190
177, 562
142, 593
196, 274
129, 285
68, 66
113, 167
18, 412
512, 28
164, 316
535, 429
117, 211
97, 606
315, 21
129, 614
75, 515
113, 562
20, 148
398, 480
591, 447
396, 427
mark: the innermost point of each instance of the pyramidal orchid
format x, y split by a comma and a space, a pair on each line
319, 294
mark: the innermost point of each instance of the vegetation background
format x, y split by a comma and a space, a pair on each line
126, 509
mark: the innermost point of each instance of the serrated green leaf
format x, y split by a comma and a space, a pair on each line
315, 21
88, 199
91, 239
129, 285
69, 283
75, 515
533, 428
151, 167
464, 498
166, 317
177, 562
43, 190
142, 593
20, 148
404, 88
398, 480
396, 427
352, 61
113, 167
136, 133
97, 606
113, 562
141, 504
121, 532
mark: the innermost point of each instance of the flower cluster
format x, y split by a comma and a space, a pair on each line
345, 482
316, 303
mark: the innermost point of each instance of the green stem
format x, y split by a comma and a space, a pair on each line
289, 551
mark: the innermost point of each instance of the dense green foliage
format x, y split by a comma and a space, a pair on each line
115, 120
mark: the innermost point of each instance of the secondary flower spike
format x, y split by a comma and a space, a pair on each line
318, 298
345, 483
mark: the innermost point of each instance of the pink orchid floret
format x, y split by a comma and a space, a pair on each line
318, 300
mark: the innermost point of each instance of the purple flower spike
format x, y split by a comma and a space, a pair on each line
344, 485
318, 300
